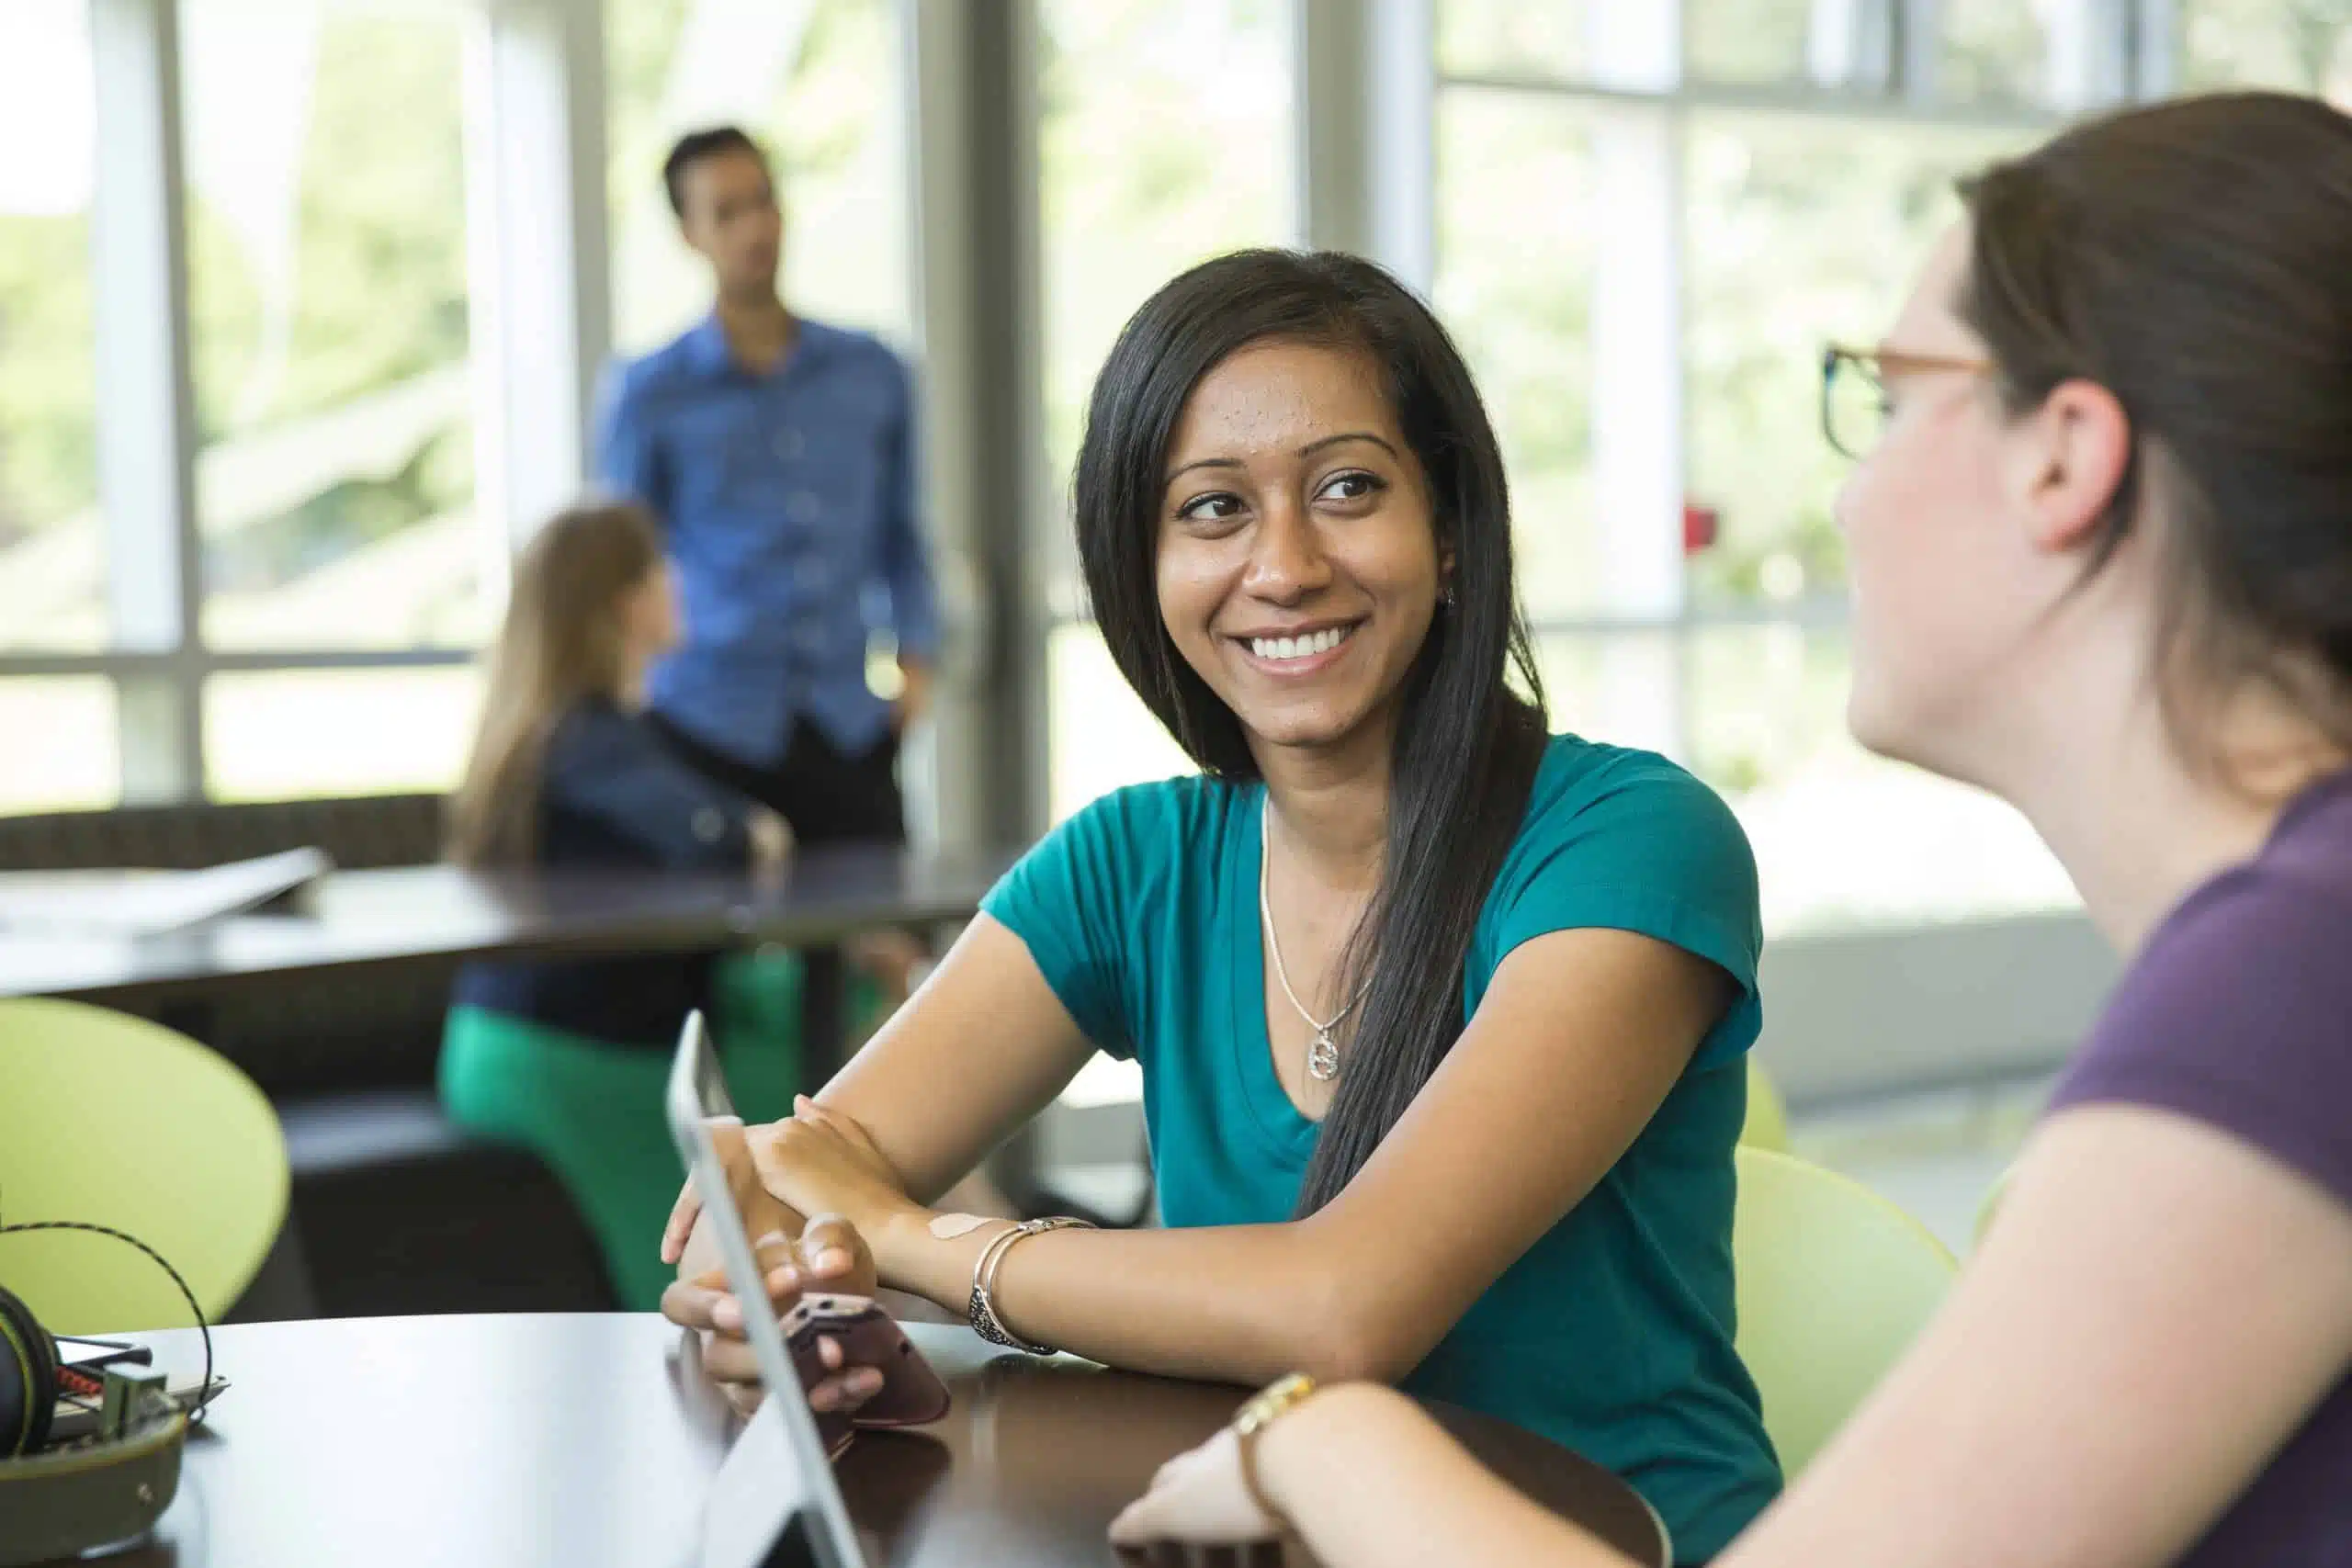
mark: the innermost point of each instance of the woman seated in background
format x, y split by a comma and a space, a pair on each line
568, 1057
1441, 1016
2101, 550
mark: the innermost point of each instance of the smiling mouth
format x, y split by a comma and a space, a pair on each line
1309, 645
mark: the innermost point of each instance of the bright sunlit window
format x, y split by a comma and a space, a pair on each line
820, 84
1150, 165
53, 543
327, 275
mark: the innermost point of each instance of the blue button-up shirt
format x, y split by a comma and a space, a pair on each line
788, 501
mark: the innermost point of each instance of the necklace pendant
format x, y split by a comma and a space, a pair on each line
1323, 1057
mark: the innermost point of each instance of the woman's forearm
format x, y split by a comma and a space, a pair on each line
1236, 1304
1367, 1479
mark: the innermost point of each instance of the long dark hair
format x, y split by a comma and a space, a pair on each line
2195, 259
561, 643
1467, 744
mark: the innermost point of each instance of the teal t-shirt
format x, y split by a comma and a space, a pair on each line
1613, 1334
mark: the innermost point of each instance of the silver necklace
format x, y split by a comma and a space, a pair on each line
1322, 1052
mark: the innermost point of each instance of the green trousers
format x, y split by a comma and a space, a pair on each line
592, 1109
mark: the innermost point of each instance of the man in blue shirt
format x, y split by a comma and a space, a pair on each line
778, 454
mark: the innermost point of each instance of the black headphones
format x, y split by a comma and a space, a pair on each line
90, 1491
28, 1372
28, 1380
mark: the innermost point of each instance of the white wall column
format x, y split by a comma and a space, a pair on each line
146, 397
2088, 53
538, 252
1365, 124
975, 232
1637, 461
2155, 48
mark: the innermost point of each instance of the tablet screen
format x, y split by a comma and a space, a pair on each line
776, 1488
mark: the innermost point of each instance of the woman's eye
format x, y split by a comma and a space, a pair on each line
1212, 508
1353, 485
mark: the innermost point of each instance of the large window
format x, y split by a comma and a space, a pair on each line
1164, 140
821, 82
61, 748
283, 734
1646, 218
330, 342
1516, 288
2304, 46
53, 547
327, 279
62, 754
1642, 259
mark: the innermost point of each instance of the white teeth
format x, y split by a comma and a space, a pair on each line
1308, 646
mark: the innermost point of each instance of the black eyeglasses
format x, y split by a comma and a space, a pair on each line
1853, 390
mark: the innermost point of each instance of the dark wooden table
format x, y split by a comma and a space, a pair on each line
573, 1441
359, 918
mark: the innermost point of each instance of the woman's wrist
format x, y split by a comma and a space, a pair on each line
914, 1258
1291, 1451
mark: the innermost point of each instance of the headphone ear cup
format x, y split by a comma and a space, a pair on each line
27, 1379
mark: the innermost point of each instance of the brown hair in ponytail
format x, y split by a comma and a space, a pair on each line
562, 641
2195, 259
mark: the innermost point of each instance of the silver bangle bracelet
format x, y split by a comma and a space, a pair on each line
981, 1309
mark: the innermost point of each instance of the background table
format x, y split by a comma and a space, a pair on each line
355, 918
579, 1440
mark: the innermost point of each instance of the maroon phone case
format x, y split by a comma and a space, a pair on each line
912, 1394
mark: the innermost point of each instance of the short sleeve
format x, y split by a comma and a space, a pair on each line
1063, 901
626, 461
2238, 1014
1648, 849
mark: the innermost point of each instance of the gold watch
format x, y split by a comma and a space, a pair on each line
1265, 1407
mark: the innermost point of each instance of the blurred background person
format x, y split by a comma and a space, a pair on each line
777, 454
567, 1057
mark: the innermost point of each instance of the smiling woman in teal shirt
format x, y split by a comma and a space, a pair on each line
1440, 1015
1611, 1333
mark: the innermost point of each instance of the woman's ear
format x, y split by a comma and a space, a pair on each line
2067, 461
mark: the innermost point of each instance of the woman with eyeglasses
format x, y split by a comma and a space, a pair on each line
1441, 1016
2101, 546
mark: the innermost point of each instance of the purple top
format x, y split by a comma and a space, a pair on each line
2239, 1013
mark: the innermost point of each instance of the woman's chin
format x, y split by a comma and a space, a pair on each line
1885, 727
1308, 731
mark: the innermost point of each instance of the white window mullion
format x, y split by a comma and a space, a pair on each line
1364, 129
537, 257
2088, 54
1849, 44
1919, 43
2155, 48
146, 397
1637, 421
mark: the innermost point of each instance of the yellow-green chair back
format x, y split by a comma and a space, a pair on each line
119, 1122
1767, 1126
1834, 1282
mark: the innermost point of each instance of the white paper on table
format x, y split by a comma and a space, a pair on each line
148, 903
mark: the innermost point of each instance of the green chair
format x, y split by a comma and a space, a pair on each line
119, 1122
1767, 1114
1834, 1283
